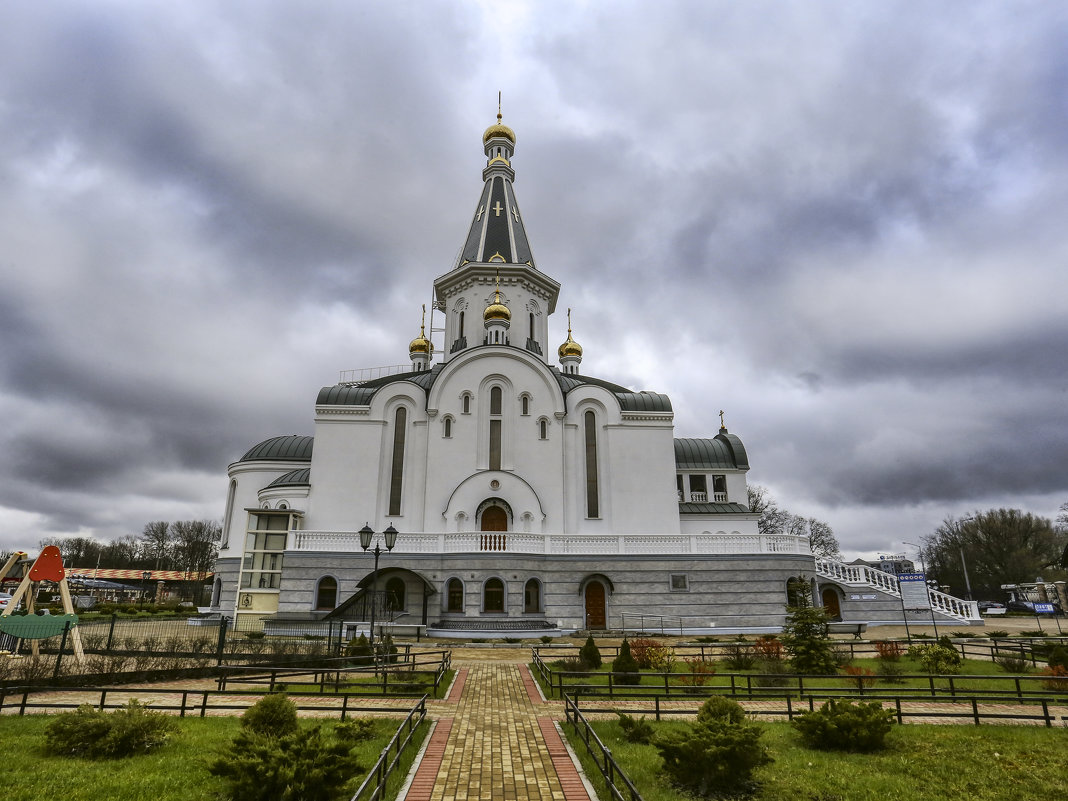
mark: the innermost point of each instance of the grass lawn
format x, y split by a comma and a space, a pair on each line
176, 772
922, 763
412, 682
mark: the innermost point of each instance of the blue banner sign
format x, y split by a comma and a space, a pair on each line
1047, 608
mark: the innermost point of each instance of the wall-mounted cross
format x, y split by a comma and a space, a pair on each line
515, 213
498, 208
480, 210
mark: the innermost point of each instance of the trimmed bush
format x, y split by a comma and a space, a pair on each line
721, 708
624, 667
715, 756
87, 732
652, 655
635, 730
846, 726
273, 715
590, 654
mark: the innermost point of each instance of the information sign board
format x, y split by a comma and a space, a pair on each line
1046, 608
913, 588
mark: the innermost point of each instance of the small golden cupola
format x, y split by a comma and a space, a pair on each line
421, 349
497, 318
570, 352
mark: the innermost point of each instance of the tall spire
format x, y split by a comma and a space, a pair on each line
497, 233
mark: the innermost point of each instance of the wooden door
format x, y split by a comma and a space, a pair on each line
595, 611
830, 603
494, 518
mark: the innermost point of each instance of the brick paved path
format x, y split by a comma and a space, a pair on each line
496, 745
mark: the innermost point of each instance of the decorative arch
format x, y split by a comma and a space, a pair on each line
454, 595
470, 494
532, 597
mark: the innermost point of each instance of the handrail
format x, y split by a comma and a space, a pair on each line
381, 771
608, 766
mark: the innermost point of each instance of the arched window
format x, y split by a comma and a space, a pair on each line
592, 491
446, 427
495, 429
524, 405
395, 594
216, 592
326, 593
493, 596
532, 596
455, 595
396, 476
461, 326
466, 403
543, 429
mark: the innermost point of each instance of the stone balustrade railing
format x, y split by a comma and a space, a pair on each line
557, 544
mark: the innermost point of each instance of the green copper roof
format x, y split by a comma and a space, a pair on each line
290, 448
629, 401
724, 451
713, 509
301, 477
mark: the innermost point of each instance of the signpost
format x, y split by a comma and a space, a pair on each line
914, 594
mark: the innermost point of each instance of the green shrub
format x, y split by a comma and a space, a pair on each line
359, 651
739, 656
716, 755
846, 726
624, 667
273, 715
355, 730
805, 637
307, 765
935, 658
1057, 657
773, 673
997, 634
719, 707
890, 671
254, 635
513, 639
590, 654
635, 730
387, 651
87, 732
546, 639
1033, 633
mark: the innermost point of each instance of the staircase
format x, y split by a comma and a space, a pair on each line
869, 577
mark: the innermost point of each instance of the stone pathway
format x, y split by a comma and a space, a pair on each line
495, 744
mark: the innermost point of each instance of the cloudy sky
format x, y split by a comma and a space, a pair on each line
846, 224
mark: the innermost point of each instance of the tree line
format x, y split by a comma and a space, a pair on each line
189, 545
775, 520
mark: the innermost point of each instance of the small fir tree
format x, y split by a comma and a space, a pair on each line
625, 667
590, 654
805, 636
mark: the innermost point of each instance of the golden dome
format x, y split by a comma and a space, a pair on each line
570, 346
496, 311
500, 129
421, 344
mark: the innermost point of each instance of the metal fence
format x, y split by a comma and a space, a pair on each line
600, 754
374, 786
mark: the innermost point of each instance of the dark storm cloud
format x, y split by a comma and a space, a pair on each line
843, 225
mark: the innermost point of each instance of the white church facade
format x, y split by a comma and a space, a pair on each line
528, 496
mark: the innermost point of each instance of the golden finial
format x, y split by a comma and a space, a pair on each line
498, 105
721, 423
497, 292
422, 322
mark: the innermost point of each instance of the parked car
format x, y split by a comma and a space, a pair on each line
992, 608
4, 598
1021, 606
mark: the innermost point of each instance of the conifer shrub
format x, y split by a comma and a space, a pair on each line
88, 732
739, 656
387, 651
890, 671
718, 754
306, 765
590, 654
805, 636
359, 651
624, 667
273, 715
1057, 657
635, 730
846, 726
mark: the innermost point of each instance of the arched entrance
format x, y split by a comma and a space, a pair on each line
595, 606
494, 518
831, 603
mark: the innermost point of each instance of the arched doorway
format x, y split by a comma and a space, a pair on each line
595, 606
494, 518
831, 603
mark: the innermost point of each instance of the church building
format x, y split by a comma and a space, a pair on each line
525, 494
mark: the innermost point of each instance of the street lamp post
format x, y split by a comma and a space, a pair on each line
963, 564
923, 567
366, 535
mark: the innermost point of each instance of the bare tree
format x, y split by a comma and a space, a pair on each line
157, 543
774, 520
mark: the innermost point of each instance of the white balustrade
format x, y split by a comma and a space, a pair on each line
556, 544
719, 497
698, 497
